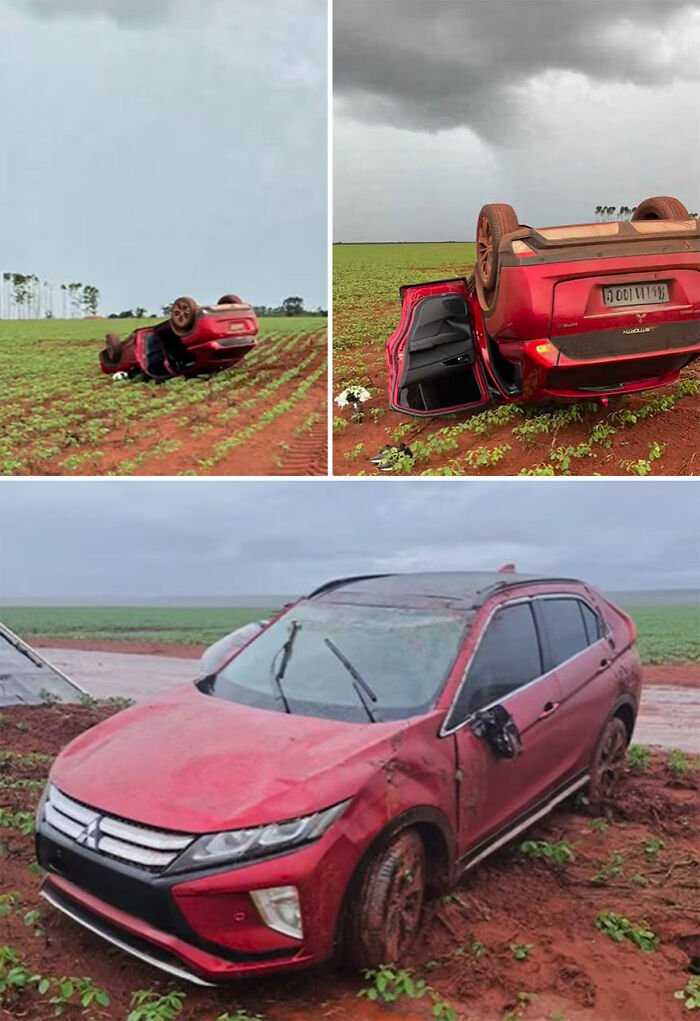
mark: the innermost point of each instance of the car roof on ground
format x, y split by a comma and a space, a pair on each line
455, 589
24, 674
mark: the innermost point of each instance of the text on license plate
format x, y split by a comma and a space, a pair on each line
615, 295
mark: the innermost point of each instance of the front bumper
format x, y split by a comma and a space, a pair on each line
200, 925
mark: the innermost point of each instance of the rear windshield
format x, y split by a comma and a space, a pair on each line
331, 659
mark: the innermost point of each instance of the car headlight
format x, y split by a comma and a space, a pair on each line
241, 845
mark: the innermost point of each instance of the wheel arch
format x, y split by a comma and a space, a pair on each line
438, 840
626, 710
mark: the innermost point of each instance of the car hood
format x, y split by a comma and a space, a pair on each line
198, 764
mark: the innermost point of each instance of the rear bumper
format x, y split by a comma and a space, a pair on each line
547, 372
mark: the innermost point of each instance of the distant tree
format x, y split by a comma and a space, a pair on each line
166, 310
64, 288
293, 306
140, 313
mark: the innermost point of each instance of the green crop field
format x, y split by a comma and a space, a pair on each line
157, 624
60, 415
585, 438
666, 634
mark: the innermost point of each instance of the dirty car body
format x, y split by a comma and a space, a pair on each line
371, 743
578, 312
216, 337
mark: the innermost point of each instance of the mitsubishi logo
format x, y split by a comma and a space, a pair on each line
641, 316
90, 835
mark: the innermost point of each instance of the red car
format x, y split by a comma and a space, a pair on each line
360, 751
576, 313
195, 339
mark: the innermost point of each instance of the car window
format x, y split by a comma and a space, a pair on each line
507, 657
591, 622
565, 628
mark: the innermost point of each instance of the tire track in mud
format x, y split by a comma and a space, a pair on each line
309, 453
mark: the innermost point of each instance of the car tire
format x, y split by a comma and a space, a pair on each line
183, 315
608, 763
494, 221
229, 299
112, 354
661, 207
383, 918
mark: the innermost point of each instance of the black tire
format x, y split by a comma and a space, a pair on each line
383, 919
608, 763
494, 221
661, 207
183, 315
229, 299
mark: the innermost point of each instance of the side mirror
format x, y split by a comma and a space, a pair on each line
498, 728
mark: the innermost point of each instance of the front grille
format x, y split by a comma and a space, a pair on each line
138, 845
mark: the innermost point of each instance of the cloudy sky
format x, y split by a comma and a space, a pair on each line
163, 147
107, 541
554, 106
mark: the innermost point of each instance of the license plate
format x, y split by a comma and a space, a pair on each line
615, 295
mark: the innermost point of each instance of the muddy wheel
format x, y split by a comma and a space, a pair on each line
183, 315
111, 355
661, 207
229, 299
608, 762
383, 920
494, 221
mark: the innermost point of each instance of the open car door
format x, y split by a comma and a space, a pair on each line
433, 361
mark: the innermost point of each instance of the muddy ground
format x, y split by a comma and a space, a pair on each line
675, 431
464, 949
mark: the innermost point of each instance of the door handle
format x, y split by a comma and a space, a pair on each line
547, 710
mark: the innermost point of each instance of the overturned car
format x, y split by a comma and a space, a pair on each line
196, 339
577, 312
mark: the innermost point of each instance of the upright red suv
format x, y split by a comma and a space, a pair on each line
371, 743
579, 312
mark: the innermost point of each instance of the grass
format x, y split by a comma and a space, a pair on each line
65, 416
666, 634
181, 625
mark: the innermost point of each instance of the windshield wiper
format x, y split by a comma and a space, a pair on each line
364, 692
277, 676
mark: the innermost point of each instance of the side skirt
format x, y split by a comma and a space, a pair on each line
473, 857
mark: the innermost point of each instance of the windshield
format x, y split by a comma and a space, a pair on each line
343, 662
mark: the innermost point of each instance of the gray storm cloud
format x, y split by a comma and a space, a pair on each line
429, 65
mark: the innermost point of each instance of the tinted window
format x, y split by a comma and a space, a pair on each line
507, 657
591, 622
565, 627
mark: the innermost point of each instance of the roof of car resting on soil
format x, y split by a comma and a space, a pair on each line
465, 590
24, 674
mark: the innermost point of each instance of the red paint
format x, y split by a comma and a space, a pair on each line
221, 337
197, 764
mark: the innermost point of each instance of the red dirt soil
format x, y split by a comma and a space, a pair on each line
677, 429
571, 967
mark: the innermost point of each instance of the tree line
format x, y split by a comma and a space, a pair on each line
26, 296
621, 212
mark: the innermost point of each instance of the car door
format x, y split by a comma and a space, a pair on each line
507, 668
578, 647
433, 359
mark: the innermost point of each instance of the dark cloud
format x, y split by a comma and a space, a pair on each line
434, 64
121, 540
